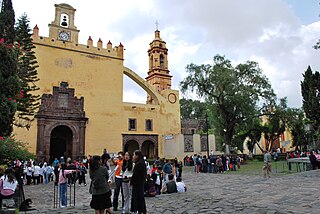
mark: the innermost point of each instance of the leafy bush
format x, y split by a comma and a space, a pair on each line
11, 149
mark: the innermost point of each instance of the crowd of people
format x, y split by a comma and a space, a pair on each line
314, 157
61, 172
213, 164
126, 174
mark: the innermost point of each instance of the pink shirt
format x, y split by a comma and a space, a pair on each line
62, 179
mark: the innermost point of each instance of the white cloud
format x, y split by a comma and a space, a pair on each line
267, 31
134, 97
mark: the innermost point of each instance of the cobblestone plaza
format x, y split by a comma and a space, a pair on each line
211, 193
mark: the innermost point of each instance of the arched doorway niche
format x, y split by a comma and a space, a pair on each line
131, 146
148, 149
148, 144
61, 138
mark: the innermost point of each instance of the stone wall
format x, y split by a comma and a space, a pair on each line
181, 145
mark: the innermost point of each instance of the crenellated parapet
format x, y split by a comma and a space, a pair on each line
90, 48
64, 34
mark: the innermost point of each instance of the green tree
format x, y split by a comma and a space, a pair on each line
310, 90
274, 123
28, 102
9, 82
249, 132
192, 109
11, 149
253, 138
7, 21
296, 123
235, 94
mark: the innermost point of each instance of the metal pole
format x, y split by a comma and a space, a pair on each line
54, 195
207, 126
74, 194
70, 193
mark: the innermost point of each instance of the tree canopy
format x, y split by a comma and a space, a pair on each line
274, 123
235, 94
310, 90
9, 81
7, 20
27, 101
192, 109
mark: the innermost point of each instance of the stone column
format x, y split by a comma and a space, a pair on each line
40, 150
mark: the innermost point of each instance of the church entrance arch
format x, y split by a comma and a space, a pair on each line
148, 149
61, 125
61, 142
131, 146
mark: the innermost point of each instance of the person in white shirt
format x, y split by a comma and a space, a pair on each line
127, 169
41, 173
36, 174
29, 173
8, 185
181, 187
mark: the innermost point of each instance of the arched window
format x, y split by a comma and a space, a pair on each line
151, 62
64, 20
161, 61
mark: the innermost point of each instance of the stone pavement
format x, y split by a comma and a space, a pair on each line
211, 193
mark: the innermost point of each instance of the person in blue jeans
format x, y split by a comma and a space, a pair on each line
47, 172
63, 180
118, 180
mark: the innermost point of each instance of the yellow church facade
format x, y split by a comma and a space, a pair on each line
82, 110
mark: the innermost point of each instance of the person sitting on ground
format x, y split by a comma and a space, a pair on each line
149, 187
181, 187
171, 186
8, 185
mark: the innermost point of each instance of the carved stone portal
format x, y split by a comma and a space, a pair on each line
61, 125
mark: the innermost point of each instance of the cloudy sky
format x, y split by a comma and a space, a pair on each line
278, 34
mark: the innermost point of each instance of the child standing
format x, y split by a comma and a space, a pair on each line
63, 183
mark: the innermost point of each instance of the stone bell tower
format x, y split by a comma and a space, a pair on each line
62, 28
158, 75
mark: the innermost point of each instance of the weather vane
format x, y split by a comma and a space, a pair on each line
157, 24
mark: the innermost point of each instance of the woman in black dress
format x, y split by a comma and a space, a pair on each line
99, 187
138, 178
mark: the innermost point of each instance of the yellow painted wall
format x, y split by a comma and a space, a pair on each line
97, 75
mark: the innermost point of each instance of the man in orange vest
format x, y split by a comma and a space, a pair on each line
118, 180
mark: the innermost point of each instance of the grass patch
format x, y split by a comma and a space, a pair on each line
254, 167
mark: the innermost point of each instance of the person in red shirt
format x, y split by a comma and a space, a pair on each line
118, 180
